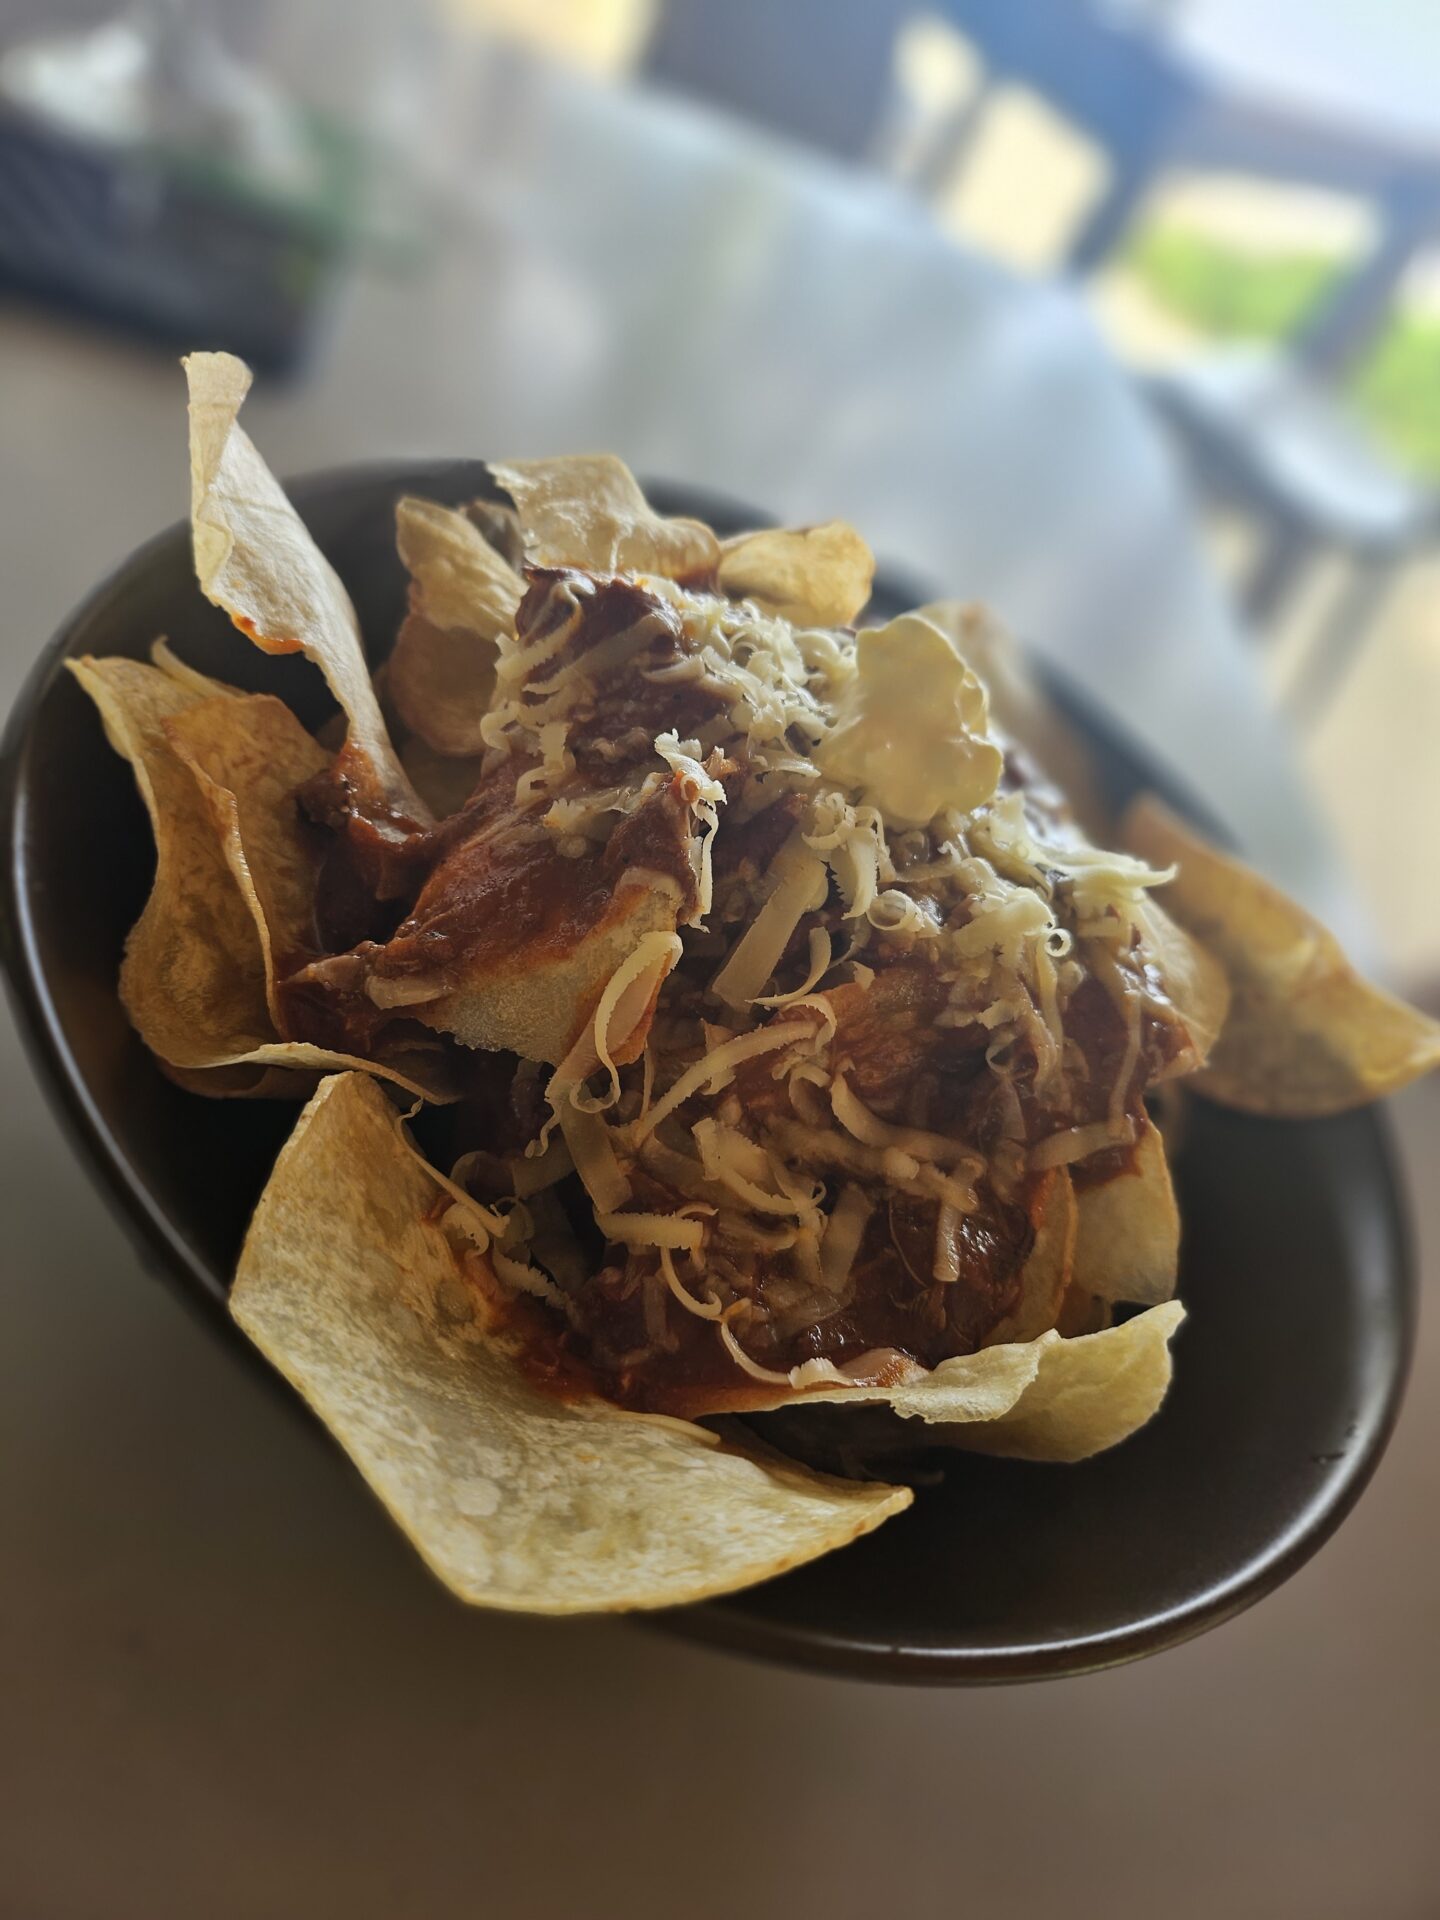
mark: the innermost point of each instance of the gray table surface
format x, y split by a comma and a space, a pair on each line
227, 1688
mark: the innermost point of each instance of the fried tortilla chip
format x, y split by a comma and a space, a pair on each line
1046, 1273
1043, 1399
441, 674
193, 979
1306, 1035
511, 942
587, 510
815, 576
1128, 1242
463, 583
193, 976
1196, 985
200, 684
256, 561
1086, 1395
355, 1289
441, 684
248, 761
535, 999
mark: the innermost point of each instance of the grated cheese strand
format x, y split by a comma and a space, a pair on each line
623, 1005
718, 1068
798, 886
872, 1131
708, 1309
844, 1232
767, 1375
1063, 1149
821, 948
652, 1229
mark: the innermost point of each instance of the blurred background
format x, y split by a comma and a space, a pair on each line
1125, 317
1246, 199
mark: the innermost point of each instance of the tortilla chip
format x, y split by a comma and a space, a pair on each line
1196, 984
1306, 1035
815, 576
190, 677
1044, 1399
1128, 1243
256, 561
522, 980
249, 1082
1046, 1273
536, 1001
441, 673
193, 979
441, 685
248, 761
355, 1290
500, 524
463, 584
1087, 1394
587, 510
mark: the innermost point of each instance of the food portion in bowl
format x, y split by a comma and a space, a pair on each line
789, 1040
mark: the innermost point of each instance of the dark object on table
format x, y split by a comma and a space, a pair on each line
1296, 1269
122, 238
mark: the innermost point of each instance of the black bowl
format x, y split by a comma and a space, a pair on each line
1296, 1269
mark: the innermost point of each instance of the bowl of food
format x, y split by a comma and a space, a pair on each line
678, 1081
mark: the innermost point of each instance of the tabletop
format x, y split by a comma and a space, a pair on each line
229, 1688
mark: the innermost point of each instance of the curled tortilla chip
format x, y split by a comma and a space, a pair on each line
1306, 1035
1047, 1399
535, 934
200, 684
441, 674
356, 1291
536, 1004
290, 1069
815, 576
463, 583
1087, 1394
500, 524
1195, 983
1046, 1273
587, 510
256, 561
193, 979
248, 1082
441, 683
1128, 1242
248, 760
